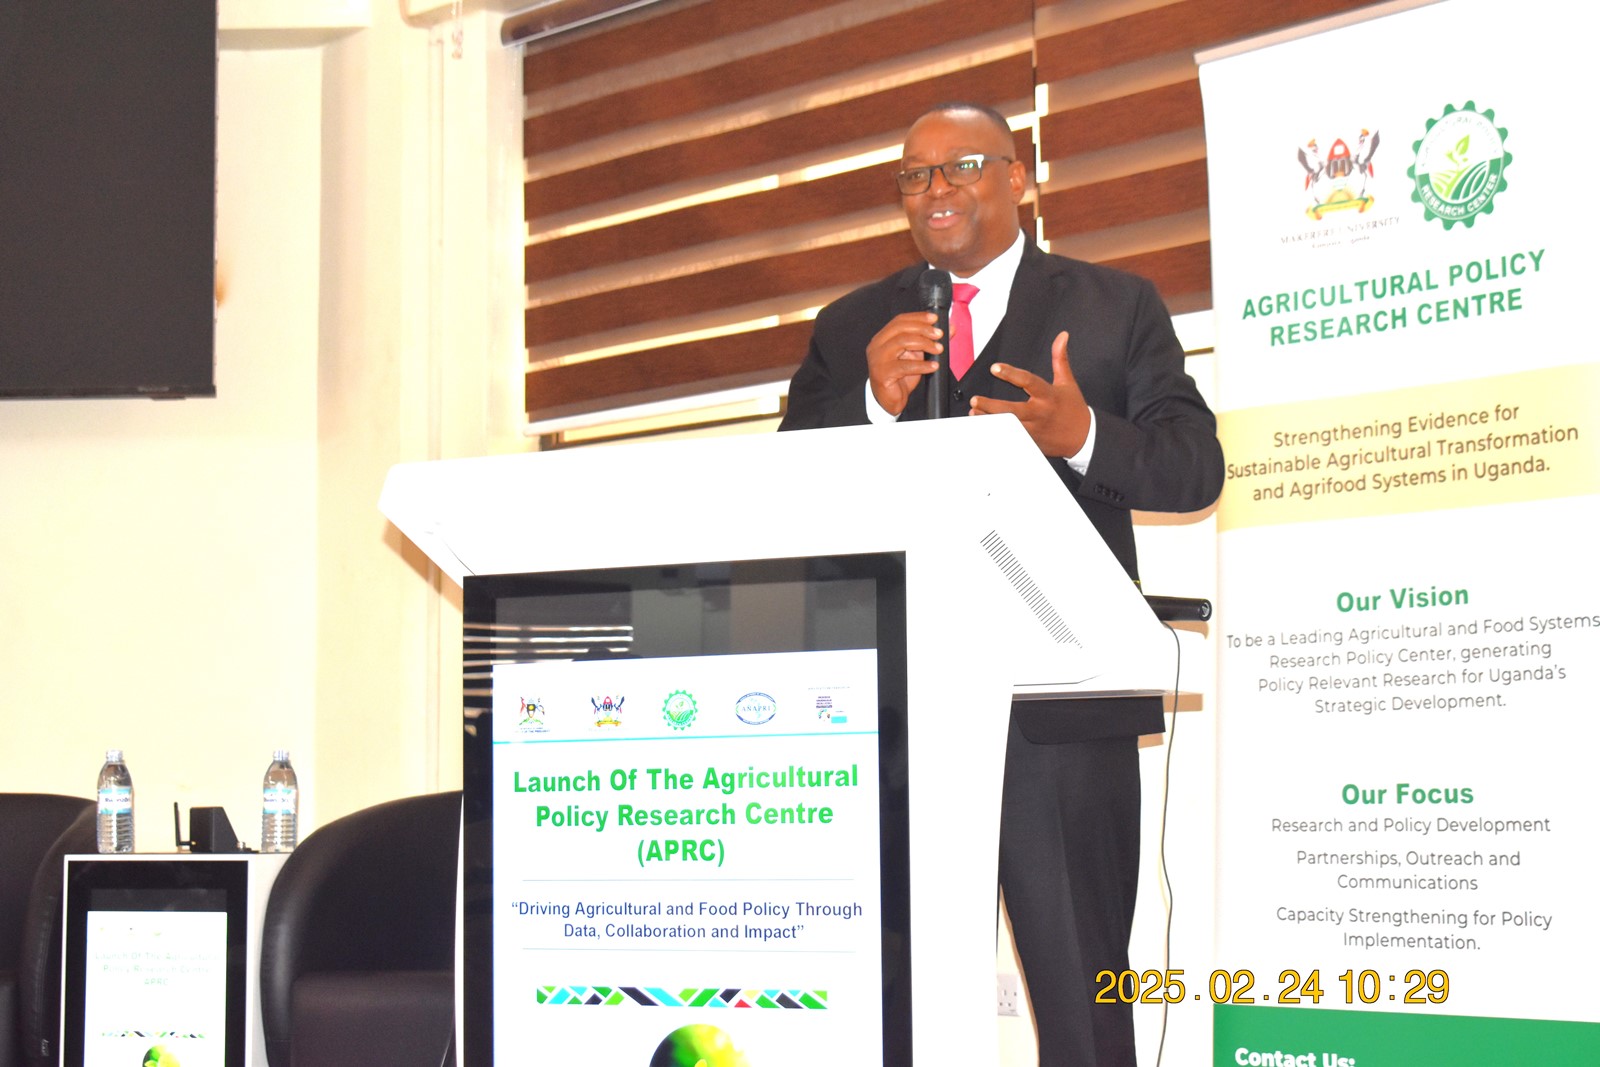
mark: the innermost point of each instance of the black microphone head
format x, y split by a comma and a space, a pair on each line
933, 289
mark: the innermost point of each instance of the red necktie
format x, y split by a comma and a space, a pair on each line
961, 354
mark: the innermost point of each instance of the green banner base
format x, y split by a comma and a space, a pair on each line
1257, 1036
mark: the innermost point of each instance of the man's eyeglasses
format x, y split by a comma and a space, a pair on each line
964, 171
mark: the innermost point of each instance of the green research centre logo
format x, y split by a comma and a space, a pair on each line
1460, 166
679, 710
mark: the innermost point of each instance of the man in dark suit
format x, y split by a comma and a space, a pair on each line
1124, 427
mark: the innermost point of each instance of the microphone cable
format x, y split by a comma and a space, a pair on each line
1161, 853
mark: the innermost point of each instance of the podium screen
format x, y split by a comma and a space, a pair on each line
686, 812
154, 962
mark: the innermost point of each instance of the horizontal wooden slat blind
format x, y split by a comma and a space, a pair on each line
788, 67
626, 123
685, 25
682, 176
765, 144
1123, 135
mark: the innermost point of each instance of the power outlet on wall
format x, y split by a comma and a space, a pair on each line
1008, 989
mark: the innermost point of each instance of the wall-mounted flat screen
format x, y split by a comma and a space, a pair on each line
107, 198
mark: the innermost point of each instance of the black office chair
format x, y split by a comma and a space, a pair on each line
358, 943
36, 830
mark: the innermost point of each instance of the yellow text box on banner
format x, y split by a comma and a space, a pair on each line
1511, 438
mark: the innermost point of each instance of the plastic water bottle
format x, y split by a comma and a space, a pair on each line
280, 805
115, 794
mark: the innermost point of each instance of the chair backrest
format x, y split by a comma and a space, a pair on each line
373, 891
39, 974
31, 825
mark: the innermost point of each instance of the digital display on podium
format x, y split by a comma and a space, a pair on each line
686, 808
154, 963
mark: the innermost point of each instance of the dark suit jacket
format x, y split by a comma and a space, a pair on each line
1155, 445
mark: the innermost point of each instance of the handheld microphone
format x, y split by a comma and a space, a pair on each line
934, 290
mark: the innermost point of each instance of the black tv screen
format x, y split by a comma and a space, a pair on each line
107, 197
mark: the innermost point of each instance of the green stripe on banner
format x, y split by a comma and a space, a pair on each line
1308, 1037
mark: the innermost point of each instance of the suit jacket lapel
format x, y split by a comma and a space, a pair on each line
1021, 339
904, 297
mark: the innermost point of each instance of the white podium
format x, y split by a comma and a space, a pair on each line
999, 563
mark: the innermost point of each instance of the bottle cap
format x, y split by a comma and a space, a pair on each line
280, 755
113, 755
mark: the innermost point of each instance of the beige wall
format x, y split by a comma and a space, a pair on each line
201, 581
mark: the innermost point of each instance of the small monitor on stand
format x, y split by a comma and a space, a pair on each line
154, 961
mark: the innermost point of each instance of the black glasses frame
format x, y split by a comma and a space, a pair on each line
916, 180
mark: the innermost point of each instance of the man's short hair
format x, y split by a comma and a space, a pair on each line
997, 120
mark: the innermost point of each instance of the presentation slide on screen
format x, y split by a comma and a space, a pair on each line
155, 989
687, 860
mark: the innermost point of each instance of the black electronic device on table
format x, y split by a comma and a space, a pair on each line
209, 832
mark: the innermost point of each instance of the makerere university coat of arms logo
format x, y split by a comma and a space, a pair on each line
1339, 181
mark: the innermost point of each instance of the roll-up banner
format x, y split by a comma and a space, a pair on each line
1409, 589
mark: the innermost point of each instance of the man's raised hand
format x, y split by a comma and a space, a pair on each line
1055, 414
